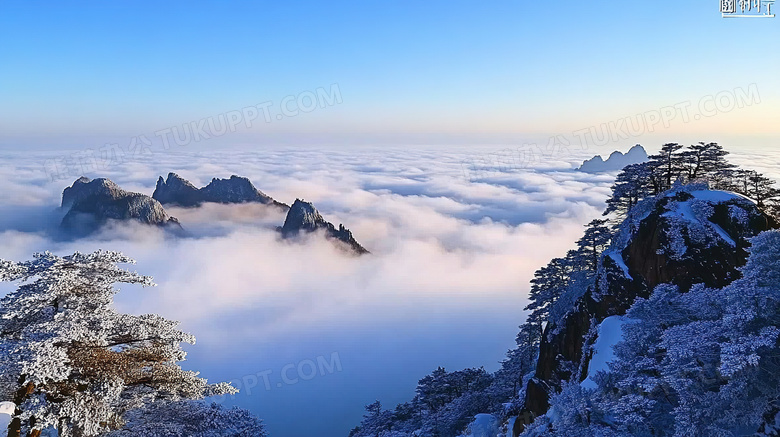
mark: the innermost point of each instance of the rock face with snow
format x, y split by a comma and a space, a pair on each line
697, 236
688, 236
178, 191
6, 412
91, 203
303, 217
616, 161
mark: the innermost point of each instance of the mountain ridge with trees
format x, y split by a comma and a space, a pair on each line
683, 221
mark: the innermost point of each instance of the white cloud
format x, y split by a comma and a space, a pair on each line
445, 284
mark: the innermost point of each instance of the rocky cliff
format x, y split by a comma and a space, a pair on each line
303, 217
686, 236
178, 191
91, 203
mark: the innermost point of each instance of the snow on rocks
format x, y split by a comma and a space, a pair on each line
620, 262
6, 411
610, 334
693, 217
484, 425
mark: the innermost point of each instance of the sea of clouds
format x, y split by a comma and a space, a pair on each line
445, 284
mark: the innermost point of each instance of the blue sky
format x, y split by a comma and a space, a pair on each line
409, 72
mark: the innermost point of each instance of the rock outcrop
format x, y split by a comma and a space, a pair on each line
616, 161
687, 236
303, 217
178, 191
91, 203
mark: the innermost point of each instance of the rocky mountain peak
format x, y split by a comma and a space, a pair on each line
84, 187
176, 189
236, 189
91, 203
303, 217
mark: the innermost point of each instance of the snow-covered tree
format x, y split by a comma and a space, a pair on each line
761, 188
669, 162
632, 184
441, 387
71, 361
596, 239
704, 362
188, 419
706, 161
741, 180
548, 284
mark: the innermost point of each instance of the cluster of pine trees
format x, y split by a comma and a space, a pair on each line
704, 162
445, 402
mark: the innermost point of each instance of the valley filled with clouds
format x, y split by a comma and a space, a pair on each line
445, 283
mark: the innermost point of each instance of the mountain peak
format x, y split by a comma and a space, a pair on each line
616, 160
84, 187
93, 202
303, 217
236, 189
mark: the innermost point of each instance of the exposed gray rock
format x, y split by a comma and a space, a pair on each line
616, 161
91, 203
303, 217
178, 191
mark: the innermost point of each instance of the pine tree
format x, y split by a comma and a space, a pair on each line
596, 239
71, 361
631, 185
670, 163
761, 188
373, 409
741, 181
707, 161
548, 284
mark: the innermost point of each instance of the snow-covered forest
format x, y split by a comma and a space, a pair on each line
661, 321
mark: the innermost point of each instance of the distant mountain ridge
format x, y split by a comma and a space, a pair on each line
616, 160
179, 191
92, 203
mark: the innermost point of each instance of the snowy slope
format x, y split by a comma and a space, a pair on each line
6, 410
484, 425
610, 333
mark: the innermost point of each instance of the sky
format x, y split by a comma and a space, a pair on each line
82, 74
